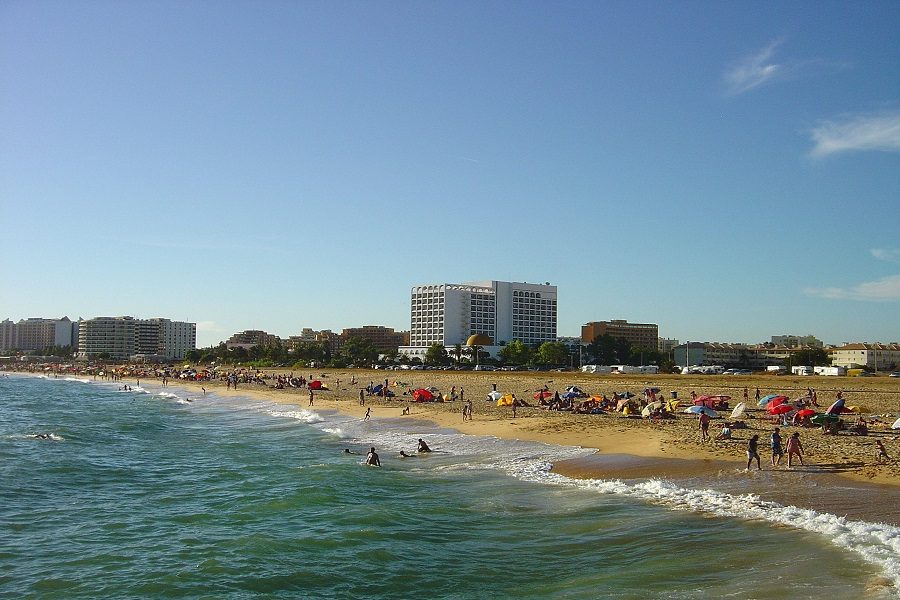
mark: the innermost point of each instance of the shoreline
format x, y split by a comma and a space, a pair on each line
666, 448
619, 454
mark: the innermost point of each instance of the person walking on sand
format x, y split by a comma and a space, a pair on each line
794, 447
775, 443
881, 454
368, 413
362, 397
757, 395
753, 453
703, 422
310, 397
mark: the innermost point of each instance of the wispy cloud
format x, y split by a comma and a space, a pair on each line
886, 289
754, 70
856, 133
887, 254
209, 327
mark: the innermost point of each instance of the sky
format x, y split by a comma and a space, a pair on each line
727, 170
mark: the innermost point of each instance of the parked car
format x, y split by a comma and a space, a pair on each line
895, 374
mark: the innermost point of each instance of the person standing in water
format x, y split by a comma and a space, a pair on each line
753, 453
372, 458
775, 443
794, 447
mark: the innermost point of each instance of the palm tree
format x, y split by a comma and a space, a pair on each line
457, 352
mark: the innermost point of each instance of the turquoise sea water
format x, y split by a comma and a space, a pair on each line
167, 494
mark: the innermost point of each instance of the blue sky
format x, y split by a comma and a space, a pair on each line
730, 171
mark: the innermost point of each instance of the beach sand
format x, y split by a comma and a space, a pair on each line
614, 434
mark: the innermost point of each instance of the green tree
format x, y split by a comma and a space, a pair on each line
812, 357
192, 356
552, 353
457, 353
359, 351
515, 353
607, 350
436, 355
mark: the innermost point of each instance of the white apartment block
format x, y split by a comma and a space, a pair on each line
448, 313
126, 337
880, 357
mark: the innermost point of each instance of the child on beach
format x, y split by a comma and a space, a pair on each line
880, 452
794, 448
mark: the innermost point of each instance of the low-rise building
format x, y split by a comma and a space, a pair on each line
252, 338
643, 335
384, 339
874, 356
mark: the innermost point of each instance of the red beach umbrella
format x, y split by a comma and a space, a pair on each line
422, 395
780, 409
806, 412
776, 401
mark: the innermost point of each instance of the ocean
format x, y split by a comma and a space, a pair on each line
164, 493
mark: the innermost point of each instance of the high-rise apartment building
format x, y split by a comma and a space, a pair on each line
125, 337
35, 334
448, 313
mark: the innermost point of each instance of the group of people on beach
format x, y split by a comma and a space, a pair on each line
793, 447
373, 460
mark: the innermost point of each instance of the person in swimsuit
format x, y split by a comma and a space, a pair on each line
794, 448
753, 453
372, 458
423, 447
775, 443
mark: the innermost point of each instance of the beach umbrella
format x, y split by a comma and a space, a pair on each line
569, 395
896, 424
625, 395
702, 401
836, 407
738, 411
806, 412
818, 419
494, 395
422, 395
314, 385
701, 409
505, 400
541, 395
762, 401
777, 401
650, 408
779, 409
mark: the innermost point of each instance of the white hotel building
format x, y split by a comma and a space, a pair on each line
448, 313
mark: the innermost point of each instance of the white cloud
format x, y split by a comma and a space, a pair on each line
885, 289
753, 71
888, 254
856, 133
209, 326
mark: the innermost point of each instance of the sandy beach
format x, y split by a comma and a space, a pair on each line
668, 448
